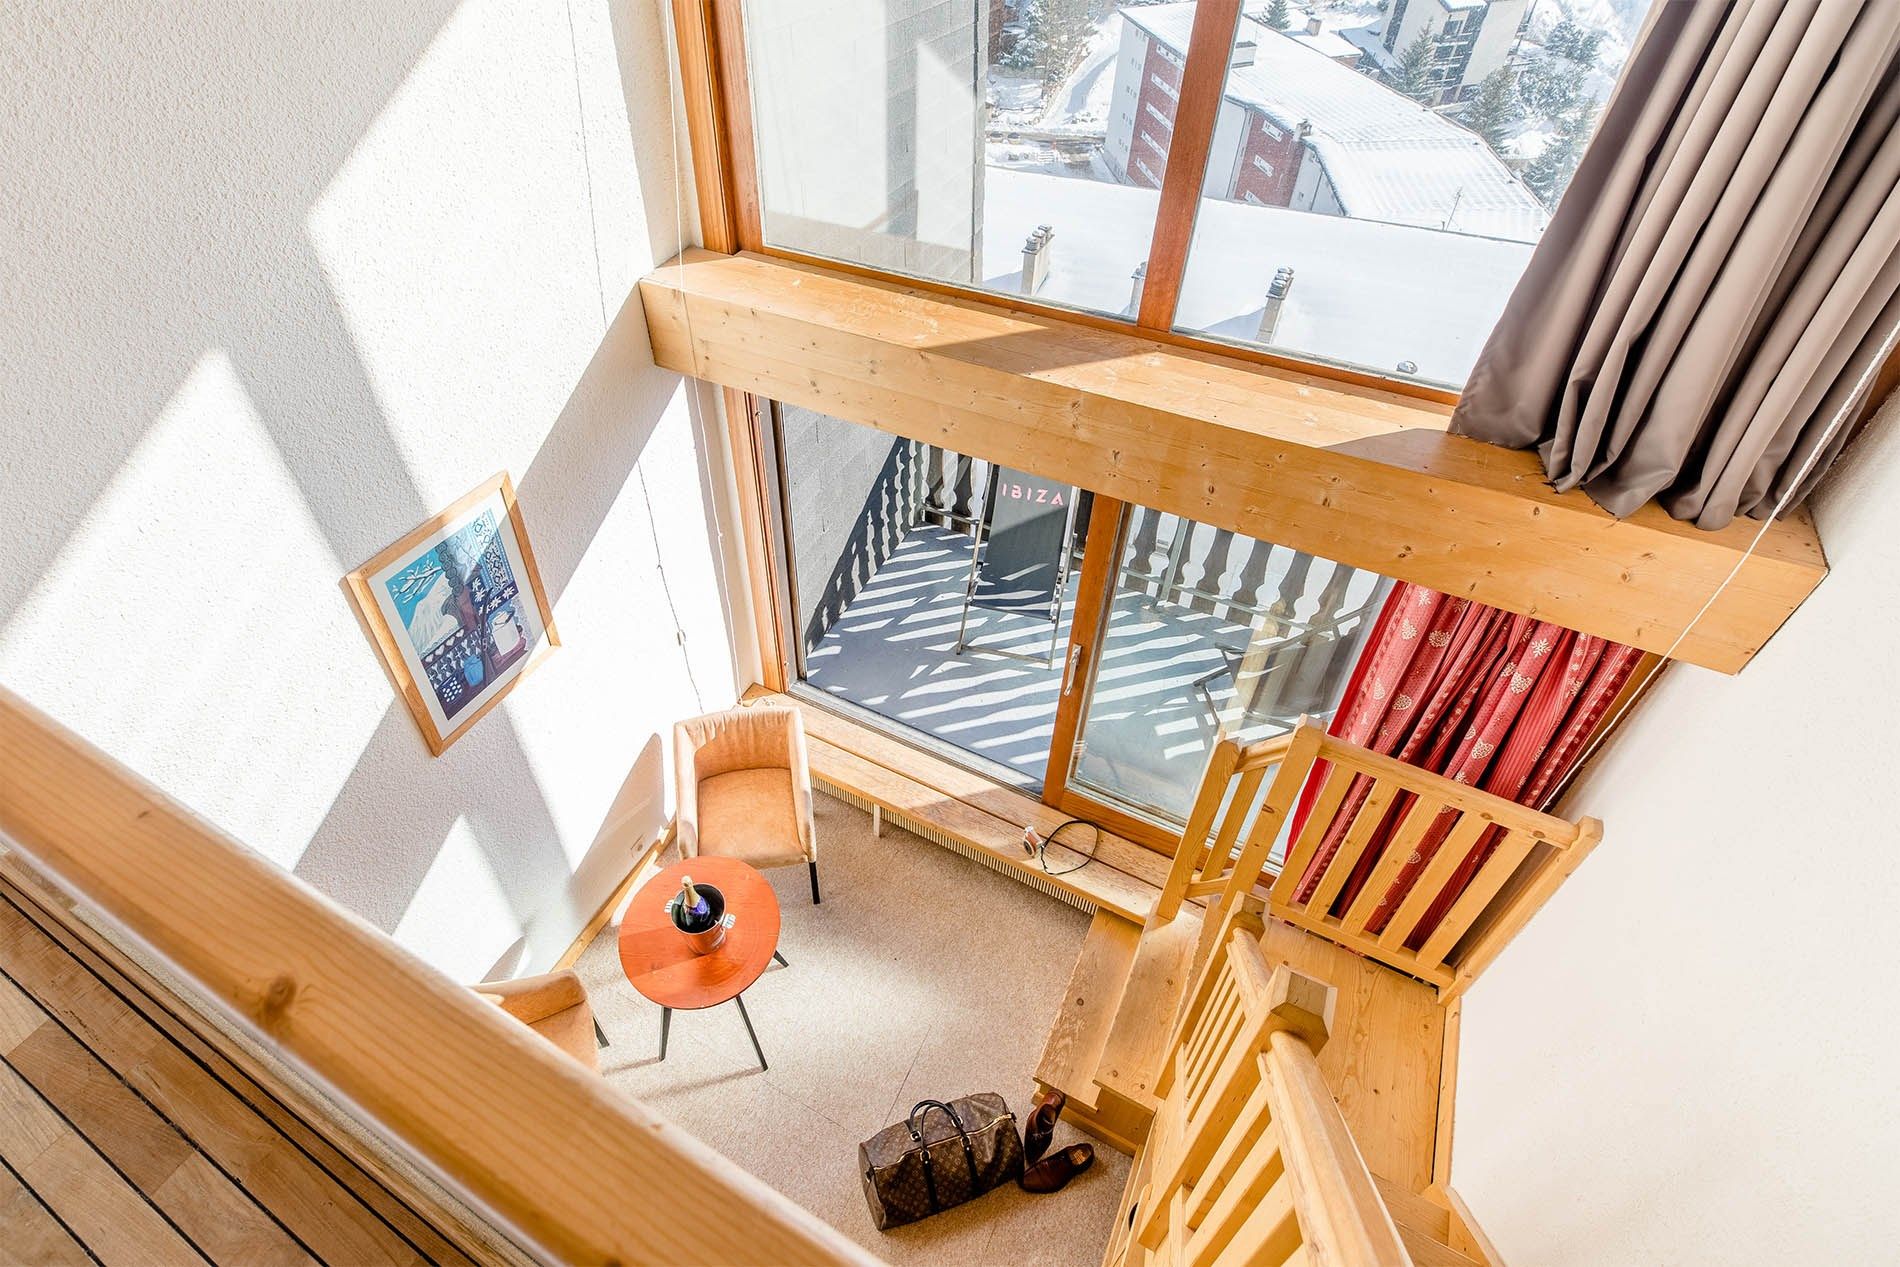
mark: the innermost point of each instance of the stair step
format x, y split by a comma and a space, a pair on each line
1410, 1209
1163, 968
1424, 1226
1074, 1050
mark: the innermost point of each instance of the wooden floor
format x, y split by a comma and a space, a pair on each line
126, 1139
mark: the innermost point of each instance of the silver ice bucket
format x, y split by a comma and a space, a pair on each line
706, 940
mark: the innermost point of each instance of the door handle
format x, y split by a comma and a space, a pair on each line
1069, 673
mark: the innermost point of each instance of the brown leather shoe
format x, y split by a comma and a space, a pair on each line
1041, 1124
1053, 1172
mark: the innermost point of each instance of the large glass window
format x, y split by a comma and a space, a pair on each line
939, 592
1210, 634
1377, 174
1013, 147
1376, 181
930, 588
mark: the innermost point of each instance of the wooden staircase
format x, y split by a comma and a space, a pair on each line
1399, 950
1249, 1160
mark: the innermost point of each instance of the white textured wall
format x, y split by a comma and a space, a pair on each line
281, 281
1688, 1057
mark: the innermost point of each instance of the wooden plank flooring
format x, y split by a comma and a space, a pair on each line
124, 1141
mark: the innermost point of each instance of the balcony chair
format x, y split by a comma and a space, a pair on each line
743, 788
553, 1005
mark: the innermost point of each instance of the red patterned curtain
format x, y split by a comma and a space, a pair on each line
1501, 702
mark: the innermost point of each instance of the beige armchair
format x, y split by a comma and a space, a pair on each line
743, 788
553, 1005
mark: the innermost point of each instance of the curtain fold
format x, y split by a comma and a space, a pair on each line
1501, 702
1719, 282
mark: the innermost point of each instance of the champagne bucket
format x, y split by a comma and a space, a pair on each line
707, 940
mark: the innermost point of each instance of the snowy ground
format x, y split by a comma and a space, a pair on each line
1058, 133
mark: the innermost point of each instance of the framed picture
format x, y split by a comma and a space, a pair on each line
457, 610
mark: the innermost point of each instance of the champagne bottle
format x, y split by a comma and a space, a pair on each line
694, 912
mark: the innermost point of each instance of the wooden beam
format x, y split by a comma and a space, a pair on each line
1210, 43
1351, 473
573, 1170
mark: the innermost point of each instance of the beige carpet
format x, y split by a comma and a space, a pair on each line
923, 975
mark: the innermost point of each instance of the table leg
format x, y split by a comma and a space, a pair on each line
781, 959
756, 1050
666, 1023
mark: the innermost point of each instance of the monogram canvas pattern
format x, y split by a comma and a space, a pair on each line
898, 1184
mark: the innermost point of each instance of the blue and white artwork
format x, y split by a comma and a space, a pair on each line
459, 603
461, 612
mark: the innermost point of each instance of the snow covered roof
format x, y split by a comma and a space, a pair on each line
1365, 294
1326, 43
1388, 157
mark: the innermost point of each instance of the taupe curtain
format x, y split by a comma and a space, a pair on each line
1721, 279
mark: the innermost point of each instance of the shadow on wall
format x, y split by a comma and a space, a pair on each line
165, 166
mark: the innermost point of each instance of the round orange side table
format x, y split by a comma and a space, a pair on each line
662, 967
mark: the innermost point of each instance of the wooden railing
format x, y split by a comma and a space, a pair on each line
564, 1167
1441, 875
1250, 1161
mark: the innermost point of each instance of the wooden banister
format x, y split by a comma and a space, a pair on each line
565, 1167
1250, 1160
1489, 863
1342, 1218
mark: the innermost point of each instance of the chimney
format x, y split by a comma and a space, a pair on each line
1277, 292
1245, 46
1313, 26
1036, 259
1136, 278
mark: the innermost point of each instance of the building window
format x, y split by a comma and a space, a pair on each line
1165, 86
1265, 167
1159, 117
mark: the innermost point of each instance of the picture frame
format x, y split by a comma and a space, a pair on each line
457, 611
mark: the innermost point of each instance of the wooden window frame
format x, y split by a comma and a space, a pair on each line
711, 51
710, 38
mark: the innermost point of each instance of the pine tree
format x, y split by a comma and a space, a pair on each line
1279, 16
1412, 74
1549, 174
1494, 111
1551, 87
1563, 38
1063, 28
1584, 50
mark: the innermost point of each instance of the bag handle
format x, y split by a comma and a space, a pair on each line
918, 1113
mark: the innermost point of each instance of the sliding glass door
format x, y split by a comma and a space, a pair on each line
1086, 650
1204, 633
931, 589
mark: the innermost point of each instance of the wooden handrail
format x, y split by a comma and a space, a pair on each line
1250, 1160
568, 1169
1370, 816
1342, 1217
